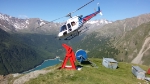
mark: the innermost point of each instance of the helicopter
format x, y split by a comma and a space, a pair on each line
73, 26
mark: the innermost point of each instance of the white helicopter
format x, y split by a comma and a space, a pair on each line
73, 25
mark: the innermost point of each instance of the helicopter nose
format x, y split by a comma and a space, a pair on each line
60, 35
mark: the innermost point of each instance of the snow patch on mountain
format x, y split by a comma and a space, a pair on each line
4, 17
42, 23
27, 21
99, 22
92, 22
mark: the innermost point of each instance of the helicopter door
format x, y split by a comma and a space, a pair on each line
69, 27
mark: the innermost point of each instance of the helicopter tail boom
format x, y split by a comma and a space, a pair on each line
88, 17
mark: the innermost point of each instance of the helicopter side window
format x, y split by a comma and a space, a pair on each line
73, 23
63, 28
69, 27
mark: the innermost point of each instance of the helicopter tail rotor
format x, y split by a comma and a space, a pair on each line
100, 12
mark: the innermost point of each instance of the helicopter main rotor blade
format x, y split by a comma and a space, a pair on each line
57, 19
69, 14
82, 6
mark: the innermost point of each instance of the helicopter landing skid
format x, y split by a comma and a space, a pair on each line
83, 30
72, 35
77, 33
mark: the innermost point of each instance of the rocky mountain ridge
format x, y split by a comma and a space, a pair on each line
32, 25
120, 27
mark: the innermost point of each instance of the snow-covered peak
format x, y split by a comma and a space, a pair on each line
15, 22
4, 17
98, 22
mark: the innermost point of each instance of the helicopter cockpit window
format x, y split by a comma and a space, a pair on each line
63, 28
69, 27
73, 23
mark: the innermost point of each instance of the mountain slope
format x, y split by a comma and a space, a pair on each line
16, 56
47, 45
139, 56
135, 43
98, 47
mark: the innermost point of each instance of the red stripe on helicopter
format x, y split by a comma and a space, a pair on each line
88, 17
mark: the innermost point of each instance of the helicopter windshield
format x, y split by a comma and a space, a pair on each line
63, 28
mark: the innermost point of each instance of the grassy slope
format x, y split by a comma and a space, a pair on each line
90, 75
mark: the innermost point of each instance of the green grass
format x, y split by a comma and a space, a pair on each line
90, 75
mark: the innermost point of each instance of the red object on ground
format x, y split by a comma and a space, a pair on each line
69, 56
148, 71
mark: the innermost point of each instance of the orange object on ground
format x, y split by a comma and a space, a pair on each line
69, 56
148, 71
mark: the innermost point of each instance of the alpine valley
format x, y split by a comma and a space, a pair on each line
24, 45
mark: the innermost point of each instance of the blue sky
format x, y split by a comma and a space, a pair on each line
52, 9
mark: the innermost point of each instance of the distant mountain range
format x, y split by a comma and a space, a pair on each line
32, 25
122, 40
120, 27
